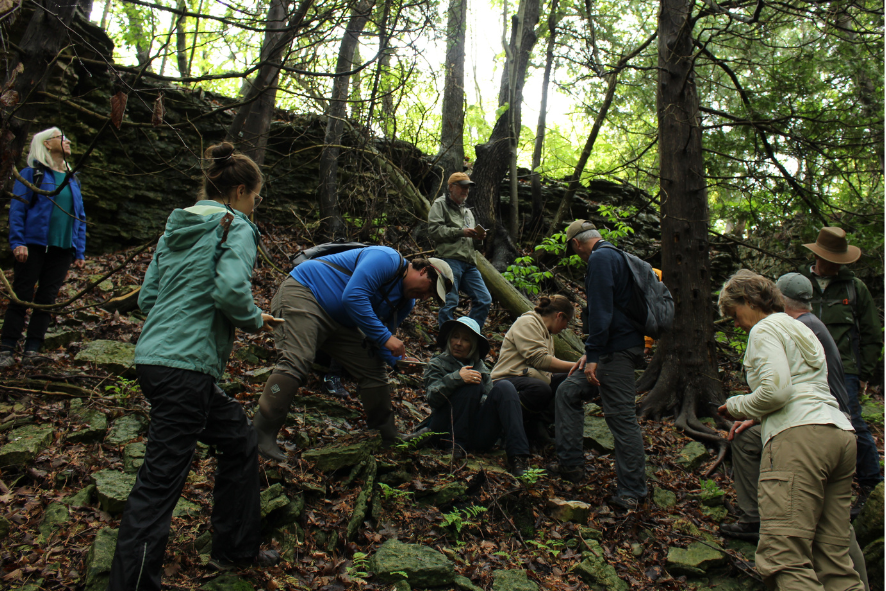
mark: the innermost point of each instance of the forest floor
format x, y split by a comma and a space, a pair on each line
499, 523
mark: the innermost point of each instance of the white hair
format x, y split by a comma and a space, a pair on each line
796, 304
583, 237
38, 154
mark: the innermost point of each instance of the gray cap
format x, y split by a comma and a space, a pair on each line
795, 286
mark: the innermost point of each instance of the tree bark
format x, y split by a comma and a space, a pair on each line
537, 202
42, 40
684, 369
451, 157
493, 156
331, 223
181, 43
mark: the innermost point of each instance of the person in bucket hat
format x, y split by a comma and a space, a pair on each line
466, 405
844, 304
348, 305
453, 229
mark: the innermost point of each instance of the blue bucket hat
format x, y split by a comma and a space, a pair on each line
482, 343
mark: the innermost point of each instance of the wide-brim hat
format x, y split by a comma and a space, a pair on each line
460, 178
445, 278
795, 286
482, 343
574, 229
831, 245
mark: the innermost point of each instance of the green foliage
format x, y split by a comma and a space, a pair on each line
389, 492
459, 519
525, 275
415, 442
359, 567
122, 388
871, 410
710, 490
551, 546
616, 216
531, 476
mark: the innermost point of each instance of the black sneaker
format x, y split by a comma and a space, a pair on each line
263, 559
35, 358
332, 382
627, 503
517, 465
742, 530
572, 474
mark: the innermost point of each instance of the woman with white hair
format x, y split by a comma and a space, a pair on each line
47, 235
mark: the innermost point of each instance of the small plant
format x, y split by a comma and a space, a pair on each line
359, 567
122, 389
389, 492
458, 519
552, 547
531, 476
401, 573
525, 275
710, 490
416, 442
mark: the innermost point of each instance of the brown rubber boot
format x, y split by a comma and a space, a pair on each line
273, 406
379, 412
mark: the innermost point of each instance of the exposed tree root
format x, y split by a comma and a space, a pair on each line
653, 370
662, 397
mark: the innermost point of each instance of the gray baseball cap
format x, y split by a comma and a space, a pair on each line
795, 286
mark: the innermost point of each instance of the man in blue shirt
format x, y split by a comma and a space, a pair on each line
613, 350
347, 305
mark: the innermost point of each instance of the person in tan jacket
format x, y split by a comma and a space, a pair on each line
527, 360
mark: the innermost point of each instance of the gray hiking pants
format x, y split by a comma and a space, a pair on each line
569, 415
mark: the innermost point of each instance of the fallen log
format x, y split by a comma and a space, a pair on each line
125, 303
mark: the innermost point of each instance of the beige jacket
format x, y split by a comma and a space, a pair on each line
527, 351
788, 376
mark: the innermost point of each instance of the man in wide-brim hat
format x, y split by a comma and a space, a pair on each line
844, 304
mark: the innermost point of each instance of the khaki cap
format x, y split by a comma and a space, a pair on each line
574, 229
460, 178
445, 279
831, 245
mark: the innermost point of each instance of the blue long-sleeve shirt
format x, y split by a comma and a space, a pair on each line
610, 289
359, 300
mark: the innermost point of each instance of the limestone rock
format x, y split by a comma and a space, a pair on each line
562, 510
696, 559
597, 573
98, 561
663, 498
273, 498
126, 428
133, 457
113, 489
718, 514
692, 456
25, 444
258, 376
325, 407
464, 584
228, 583
442, 495
512, 580
55, 515
185, 508
873, 557
82, 498
113, 357
590, 533
424, 567
89, 425
329, 459
55, 340
869, 524
597, 435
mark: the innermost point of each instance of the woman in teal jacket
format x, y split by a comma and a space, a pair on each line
196, 291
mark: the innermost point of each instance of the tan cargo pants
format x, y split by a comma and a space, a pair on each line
804, 496
308, 328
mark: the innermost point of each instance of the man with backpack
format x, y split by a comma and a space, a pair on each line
844, 304
613, 350
348, 305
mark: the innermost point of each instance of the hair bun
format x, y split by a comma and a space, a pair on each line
544, 302
219, 154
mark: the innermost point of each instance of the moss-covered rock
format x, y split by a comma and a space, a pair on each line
695, 559
692, 456
126, 428
869, 523
424, 567
597, 435
563, 510
55, 340
596, 572
663, 498
329, 459
873, 558
114, 357
54, 517
272, 499
25, 444
512, 580
442, 495
87, 425
113, 488
82, 498
99, 558
133, 456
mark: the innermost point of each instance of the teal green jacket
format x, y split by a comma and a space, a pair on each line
197, 290
855, 325
446, 220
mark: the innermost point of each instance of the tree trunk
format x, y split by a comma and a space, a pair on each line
383, 37
42, 40
537, 202
451, 157
181, 43
684, 369
331, 223
575, 179
493, 156
143, 40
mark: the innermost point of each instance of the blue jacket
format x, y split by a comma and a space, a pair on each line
29, 225
608, 283
358, 301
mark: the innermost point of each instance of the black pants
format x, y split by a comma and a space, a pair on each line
537, 397
45, 269
187, 407
476, 426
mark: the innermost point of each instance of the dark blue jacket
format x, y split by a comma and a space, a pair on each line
609, 287
29, 222
359, 300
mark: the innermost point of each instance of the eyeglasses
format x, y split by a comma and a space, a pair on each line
60, 137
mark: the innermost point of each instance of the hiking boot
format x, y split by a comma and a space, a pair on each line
35, 358
572, 474
517, 465
332, 383
741, 530
863, 493
263, 559
6, 359
627, 503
